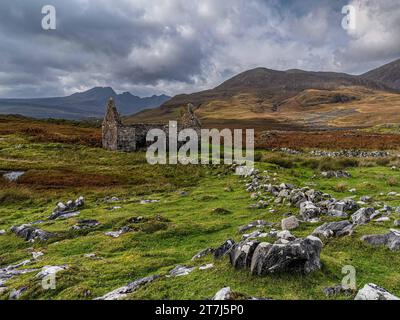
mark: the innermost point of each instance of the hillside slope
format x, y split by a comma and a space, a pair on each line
389, 74
294, 98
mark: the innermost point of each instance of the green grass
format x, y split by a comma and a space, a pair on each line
57, 172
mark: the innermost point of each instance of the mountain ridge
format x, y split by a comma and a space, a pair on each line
299, 97
87, 104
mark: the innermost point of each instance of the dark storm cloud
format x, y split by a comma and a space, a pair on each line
174, 46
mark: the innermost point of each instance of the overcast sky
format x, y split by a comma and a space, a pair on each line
180, 46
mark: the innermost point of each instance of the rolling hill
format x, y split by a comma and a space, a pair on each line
88, 104
273, 99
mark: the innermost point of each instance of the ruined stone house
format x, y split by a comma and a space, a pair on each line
129, 138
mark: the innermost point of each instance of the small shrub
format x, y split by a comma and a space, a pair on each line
392, 181
340, 187
221, 211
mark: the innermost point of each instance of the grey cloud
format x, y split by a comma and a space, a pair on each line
175, 46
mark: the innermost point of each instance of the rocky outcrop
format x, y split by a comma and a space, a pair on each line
242, 254
224, 249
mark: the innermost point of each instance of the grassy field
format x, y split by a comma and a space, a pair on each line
177, 227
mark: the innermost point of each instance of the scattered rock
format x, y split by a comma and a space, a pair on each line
203, 253
148, 201
224, 249
37, 255
116, 234
15, 294
391, 240
2, 232
363, 215
335, 174
334, 229
207, 266
286, 235
67, 210
397, 223
181, 271
11, 271
309, 211
29, 233
382, 219
300, 256
136, 219
254, 224
50, 270
224, 294
13, 175
373, 292
122, 292
336, 290
85, 224
290, 223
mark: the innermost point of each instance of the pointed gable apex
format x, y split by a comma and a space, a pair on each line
112, 115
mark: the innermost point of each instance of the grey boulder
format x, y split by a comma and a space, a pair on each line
363, 215
391, 240
29, 233
334, 229
373, 292
299, 256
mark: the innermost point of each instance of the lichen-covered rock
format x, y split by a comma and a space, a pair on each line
242, 253
301, 255
334, 229
30, 233
391, 240
363, 215
290, 223
309, 211
373, 292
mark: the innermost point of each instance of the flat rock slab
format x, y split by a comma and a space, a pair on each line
122, 292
